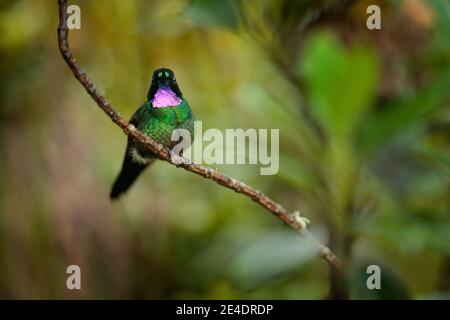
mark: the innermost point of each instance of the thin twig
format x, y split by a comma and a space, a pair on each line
164, 154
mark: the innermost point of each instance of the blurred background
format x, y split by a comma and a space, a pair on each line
364, 123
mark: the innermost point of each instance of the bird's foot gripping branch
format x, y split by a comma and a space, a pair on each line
161, 152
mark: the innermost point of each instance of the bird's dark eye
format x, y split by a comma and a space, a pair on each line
174, 80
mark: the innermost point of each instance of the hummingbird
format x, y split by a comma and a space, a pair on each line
164, 111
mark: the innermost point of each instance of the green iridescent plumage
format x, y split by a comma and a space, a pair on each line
165, 111
159, 123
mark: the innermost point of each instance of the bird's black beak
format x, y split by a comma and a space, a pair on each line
165, 82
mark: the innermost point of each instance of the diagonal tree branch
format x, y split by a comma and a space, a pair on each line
164, 154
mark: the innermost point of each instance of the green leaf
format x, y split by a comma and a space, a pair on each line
213, 13
399, 116
413, 232
341, 83
253, 263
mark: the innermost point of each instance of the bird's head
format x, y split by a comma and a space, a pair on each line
163, 84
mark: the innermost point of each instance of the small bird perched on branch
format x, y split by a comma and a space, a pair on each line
164, 111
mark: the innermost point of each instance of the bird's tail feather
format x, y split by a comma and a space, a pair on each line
129, 173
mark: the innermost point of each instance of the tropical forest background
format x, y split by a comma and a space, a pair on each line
364, 123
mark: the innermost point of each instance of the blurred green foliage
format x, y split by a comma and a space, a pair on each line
364, 123
329, 70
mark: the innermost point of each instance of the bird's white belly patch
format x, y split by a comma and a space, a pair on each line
138, 158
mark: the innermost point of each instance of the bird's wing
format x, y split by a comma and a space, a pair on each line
130, 169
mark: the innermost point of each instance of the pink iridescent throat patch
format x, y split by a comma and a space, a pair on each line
165, 97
